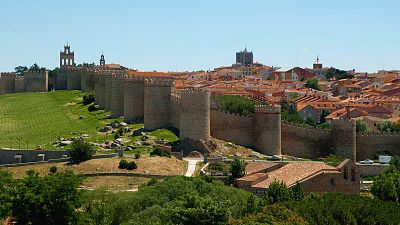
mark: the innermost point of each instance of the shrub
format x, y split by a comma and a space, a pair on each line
160, 152
116, 135
137, 155
131, 166
92, 108
121, 131
88, 99
123, 164
153, 181
53, 169
80, 151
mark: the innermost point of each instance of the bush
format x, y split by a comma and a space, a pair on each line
153, 181
88, 99
137, 155
80, 151
131, 166
123, 164
121, 131
53, 169
160, 152
92, 108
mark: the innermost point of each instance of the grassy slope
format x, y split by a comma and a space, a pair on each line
43, 117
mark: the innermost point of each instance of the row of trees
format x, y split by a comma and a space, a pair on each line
235, 104
19, 70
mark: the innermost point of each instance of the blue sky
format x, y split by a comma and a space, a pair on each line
171, 35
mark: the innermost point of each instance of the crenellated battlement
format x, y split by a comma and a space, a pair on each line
176, 98
8, 75
232, 114
134, 78
343, 122
380, 134
267, 109
159, 82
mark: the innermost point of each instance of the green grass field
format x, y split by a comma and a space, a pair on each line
38, 119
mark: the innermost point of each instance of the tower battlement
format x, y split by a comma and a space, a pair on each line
159, 82
8, 75
267, 109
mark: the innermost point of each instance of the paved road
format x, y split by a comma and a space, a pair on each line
191, 165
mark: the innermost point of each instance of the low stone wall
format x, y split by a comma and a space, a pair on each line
367, 170
124, 174
8, 156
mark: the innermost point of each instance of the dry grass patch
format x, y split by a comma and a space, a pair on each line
114, 182
146, 165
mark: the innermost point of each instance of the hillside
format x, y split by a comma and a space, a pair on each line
40, 118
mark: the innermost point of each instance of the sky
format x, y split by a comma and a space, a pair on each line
187, 35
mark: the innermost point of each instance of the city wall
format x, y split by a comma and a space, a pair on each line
304, 142
369, 143
9, 156
7, 83
36, 81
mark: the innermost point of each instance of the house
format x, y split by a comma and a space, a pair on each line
313, 177
308, 111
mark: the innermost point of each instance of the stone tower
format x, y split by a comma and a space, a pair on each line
344, 137
195, 114
107, 90
267, 129
117, 98
157, 94
317, 64
133, 98
67, 58
102, 60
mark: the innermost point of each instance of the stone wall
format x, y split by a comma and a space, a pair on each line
157, 94
73, 79
305, 142
36, 81
195, 114
367, 170
101, 91
369, 143
61, 80
175, 112
231, 127
134, 99
117, 98
267, 129
19, 84
107, 91
7, 156
7, 83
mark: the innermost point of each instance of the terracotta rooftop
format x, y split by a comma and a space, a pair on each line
295, 171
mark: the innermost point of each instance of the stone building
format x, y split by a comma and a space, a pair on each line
244, 57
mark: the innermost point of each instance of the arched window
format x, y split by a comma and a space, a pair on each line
345, 174
333, 182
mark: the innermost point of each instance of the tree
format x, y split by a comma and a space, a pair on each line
235, 104
293, 95
19, 70
297, 192
324, 113
53, 199
80, 151
88, 98
361, 126
6, 183
388, 126
237, 168
312, 83
337, 74
277, 192
387, 187
310, 121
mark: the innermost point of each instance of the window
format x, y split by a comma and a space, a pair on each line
345, 175
333, 182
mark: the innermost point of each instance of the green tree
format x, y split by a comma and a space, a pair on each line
237, 168
293, 95
235, 104
388, 126
337, 74
6, 183
387, 187
361, 126
278, 191
312, 83
53, 199
310, 121
19, 70
324, 113
80, 151
297, 192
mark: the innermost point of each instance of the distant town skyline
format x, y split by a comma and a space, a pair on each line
179, 35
